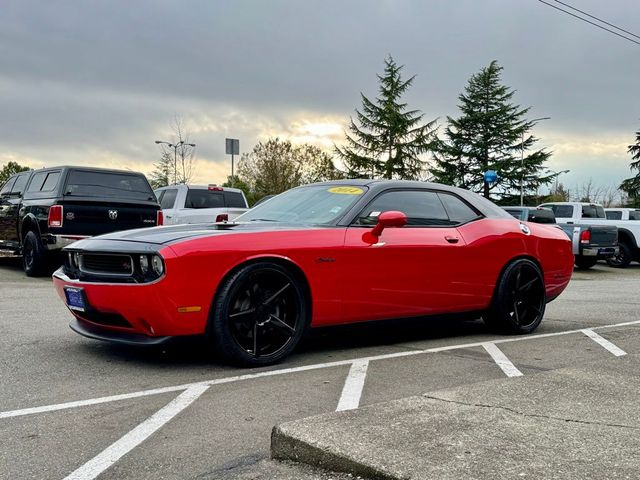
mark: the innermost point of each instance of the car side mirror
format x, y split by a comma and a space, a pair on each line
390, 219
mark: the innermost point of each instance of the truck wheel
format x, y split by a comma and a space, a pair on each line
34, 259
519, 299
585, 263
622, 259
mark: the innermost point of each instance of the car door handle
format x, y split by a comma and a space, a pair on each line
168, 216
451, 239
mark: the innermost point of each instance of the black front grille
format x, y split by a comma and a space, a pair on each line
106, 264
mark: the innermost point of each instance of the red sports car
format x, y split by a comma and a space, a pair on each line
321, 254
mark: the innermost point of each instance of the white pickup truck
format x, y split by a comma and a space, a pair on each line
183, 204
576, 213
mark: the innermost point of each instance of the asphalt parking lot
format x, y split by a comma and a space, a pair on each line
77, 408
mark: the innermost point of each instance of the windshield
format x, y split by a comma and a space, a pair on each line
316, 204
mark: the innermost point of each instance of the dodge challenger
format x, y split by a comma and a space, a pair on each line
317, 255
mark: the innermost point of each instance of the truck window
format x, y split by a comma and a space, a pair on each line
204, 199
168, 199
86, 183
634, 215
51, 182
37, 181
615, 215
593, 211
513, 212
561, 211
21, 183
234, 199
6, 188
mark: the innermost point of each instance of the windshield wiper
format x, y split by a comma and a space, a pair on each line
263, 220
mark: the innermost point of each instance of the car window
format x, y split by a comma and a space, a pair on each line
51, 182
21, 183
234, 199
561, 211
168, 199
634, 215
37, 181
88, 183
541, 215
422, 208
593, 211
204, 199
513, 212
457, 209
6, 188
614, 215
158, 194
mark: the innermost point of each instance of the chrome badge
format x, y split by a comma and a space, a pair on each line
525, 229
113, 214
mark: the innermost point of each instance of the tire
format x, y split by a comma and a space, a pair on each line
519, 299
259, 315
34, 258
623, 258
585, 263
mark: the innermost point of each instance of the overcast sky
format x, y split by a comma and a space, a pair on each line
96, 82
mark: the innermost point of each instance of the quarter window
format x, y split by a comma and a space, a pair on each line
6, 188
457, 209
614, 215
422, 208
37, 181
21, 182
51, 182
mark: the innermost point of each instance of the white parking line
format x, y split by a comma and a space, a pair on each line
501, 360
268, 373
135, 437
353, 385
617, 351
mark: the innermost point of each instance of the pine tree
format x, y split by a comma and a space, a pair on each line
491, 134
631, 186
163, 171
390, 138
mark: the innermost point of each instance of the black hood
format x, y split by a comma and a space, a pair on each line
171, 234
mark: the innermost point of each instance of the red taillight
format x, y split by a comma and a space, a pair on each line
223, 217
585, 236
55, 216
159, 218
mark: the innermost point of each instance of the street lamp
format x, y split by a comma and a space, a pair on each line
522, 159
175, 147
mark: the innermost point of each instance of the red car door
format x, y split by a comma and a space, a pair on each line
413, 270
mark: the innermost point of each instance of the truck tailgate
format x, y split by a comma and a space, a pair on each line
604, 236
98, 217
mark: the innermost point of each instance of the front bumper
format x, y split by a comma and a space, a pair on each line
600, 252
142, 313
57, 242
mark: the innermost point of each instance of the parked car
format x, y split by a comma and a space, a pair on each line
41, 211
321, 254
576, 214
622, 213
200, 203
532, 214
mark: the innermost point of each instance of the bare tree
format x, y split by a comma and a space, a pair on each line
182, 150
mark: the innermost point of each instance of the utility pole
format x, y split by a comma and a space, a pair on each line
232, 147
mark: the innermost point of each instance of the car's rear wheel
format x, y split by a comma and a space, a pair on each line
622, 259
519, 299
259, 315
585, 263
34, 260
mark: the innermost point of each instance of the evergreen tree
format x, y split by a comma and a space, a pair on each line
491, 134
390, 138
163, 171
10, 169
631, 186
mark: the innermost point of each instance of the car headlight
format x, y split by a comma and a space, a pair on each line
144, 264
157, 265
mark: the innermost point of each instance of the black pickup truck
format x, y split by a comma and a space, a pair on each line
42, 211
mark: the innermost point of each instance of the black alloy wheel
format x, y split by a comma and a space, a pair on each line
519, 299
622, 259
259, 315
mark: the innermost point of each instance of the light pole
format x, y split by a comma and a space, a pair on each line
175, 147
522, 159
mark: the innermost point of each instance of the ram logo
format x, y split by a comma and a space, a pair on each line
113, 214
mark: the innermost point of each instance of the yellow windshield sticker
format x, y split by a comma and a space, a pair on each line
346, 190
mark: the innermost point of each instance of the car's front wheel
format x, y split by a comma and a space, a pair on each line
259, 315
519, 299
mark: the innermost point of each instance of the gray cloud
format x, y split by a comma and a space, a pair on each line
85, 77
